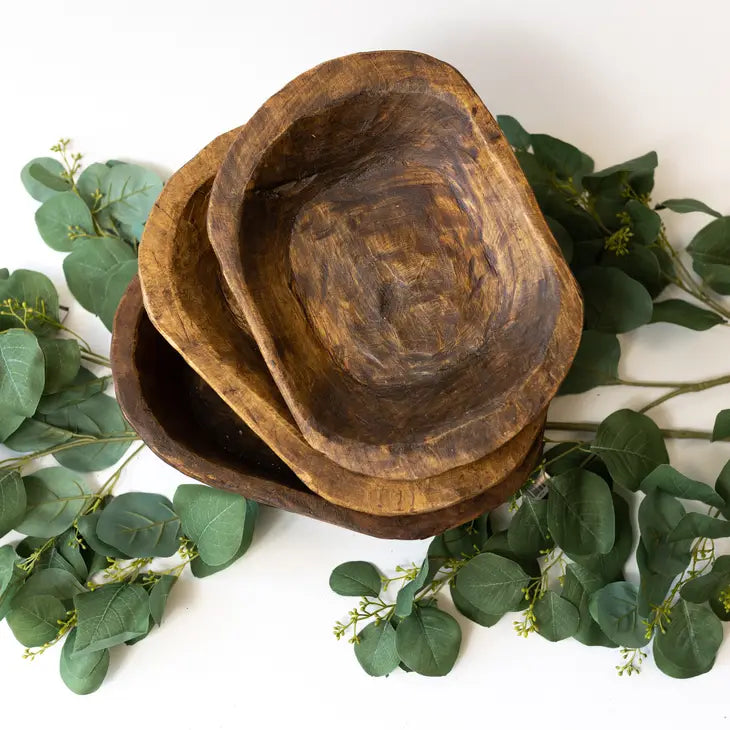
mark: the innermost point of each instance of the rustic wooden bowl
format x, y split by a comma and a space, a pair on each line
190, 427
180, 281
387, 252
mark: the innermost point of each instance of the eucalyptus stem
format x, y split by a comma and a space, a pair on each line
672, 433
688, 388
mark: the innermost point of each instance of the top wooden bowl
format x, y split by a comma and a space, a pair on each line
380, 239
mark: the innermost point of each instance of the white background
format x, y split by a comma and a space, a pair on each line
152, 82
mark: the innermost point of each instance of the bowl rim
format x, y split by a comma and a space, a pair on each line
445, 446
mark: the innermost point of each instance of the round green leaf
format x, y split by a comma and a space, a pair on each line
614, 302
528, 531
659, 514
676, 311
492, 583
631, 446
721, 429
141, 525
56, 497
91, 184
110, 615
562, 236
562, 158
63, 220
62, 360
356, 578
158, 597
11, 577
115, 284
375, 649
615, 609
37, 291
670, 668
578, 586
42, 178
556, 618
710, 252
49, 582
85, 673
12, 501
669, 480
595, 363
213, 519
406, 597
580, 513
428, 641
513, 131
34, 435
36, 620
465, 608
81, 388
87, 527
130, 192
692, 638
21, 378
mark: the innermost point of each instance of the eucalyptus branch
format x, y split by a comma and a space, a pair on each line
589, 427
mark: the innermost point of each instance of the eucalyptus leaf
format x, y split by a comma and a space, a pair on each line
81, 388
62, 360
578, 586
670, 668
407, 594
471, 612
580, 513
694, 525
513, 131
42, 178
87, 527
69, 548
492, 583
653, 586
595, 363
56, 498
141, 525
356, 578
36, 620
640, 263
688, 205
669, 480
615, 609
34, 435
110, 615
12, 500
721, 429
631, 446
375, 649
614, 302
645, 223
659, 515
213, 519
562, 236
85, 673
49, 582
702, 588
22, 376
528, 531
158, 597
637, 172
115, 284
428, 641
559, 157
63, 220
722, 487
556, 618
710, 252
684, 314
37, 292
11, 577
129, 191
91, 183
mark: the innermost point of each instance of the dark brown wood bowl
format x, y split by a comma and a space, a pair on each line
383, 244
184, 299
181, 418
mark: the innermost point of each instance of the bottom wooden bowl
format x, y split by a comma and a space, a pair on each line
190, 427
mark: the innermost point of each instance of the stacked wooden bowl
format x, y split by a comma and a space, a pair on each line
351, 307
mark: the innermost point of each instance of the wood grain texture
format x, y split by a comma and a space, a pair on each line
189, 426
180, 281
387, 252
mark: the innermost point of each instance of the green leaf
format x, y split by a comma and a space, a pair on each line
710, 252
670, 668
659, 515
49, 582
721, 429
129, 192
202, 570
12, 501
614, 302
499, 545
638, 172
115, 285
471, 611
110, 615
56, 498
34, 435
91, 183
21, 378
141, 525
87, 527
212, 519
97, 416
564, 457
556, 618
676, 311
722, 487
11, 577
694, 525
63, 220
580, 513
158, 597
62, 360
36, 620
41, 177
38, 292
641, 264
562, 236
90, 268
428, 641
513, 131
692, 638
407, 594
702, 588
356, 578
578, 586
375, 649
81, 388
653, 586
645, 223
85, 673
669, 480
615, 609
687, 205
631, 446
528, 531
562, 158
69, 548
492, 583
595, 363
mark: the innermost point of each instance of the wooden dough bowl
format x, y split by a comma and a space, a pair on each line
180, 280
190, 427
380, 239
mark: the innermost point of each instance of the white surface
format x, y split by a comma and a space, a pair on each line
153, 82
